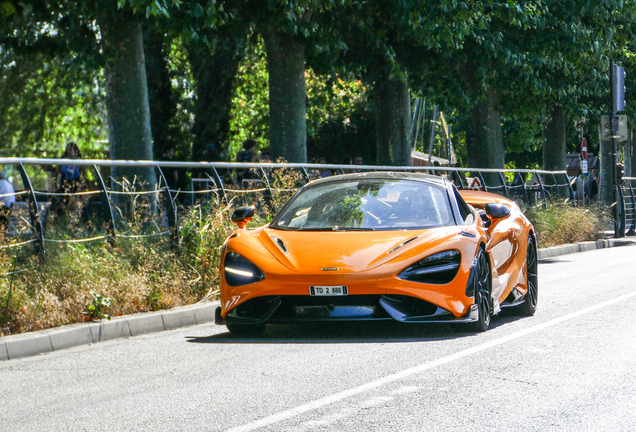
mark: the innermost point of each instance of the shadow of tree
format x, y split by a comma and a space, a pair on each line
350, 332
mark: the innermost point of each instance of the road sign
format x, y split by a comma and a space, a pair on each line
584, 166
584, 149
606, 128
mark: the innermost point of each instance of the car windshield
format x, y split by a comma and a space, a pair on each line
367, 204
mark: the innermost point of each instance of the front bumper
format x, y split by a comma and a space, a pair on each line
298, 309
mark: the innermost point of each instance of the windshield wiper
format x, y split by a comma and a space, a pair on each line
337, 228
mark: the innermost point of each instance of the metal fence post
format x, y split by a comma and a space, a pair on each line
504, 183
306, 175
632, 228
268, 193
483, 181
173, 222
107, 209
34, 212
459, 180
525, 188
541, 189
556, 185
620, 230
219, 181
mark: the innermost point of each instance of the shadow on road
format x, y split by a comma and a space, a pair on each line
350, 332
553, 261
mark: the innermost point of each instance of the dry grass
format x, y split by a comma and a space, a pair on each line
138, 274
76, 281
561, 224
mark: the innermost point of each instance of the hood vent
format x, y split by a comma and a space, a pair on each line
401, 244
280, 244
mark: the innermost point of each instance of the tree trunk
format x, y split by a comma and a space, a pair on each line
392, 121
214, 67
554, 141
129, 131
484, 142
163, 106
487, 149
287, 99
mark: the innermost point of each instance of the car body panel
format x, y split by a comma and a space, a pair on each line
507, 243
368, 263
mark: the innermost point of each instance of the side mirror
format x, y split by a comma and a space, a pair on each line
242, 215
497, 211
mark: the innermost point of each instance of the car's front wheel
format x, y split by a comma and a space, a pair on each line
483, 288
246, 329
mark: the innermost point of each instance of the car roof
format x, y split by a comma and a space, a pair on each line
386, 175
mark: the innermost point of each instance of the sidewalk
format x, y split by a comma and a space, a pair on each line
55, 339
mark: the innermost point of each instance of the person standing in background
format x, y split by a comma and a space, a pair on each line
248, 155
7, 199
591, 186
68, 179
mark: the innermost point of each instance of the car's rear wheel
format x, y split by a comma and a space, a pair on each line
529, 306
246, 329
483, 288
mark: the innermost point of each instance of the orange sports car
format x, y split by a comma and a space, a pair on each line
380, 246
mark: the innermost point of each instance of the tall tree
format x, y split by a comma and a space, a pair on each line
387, 43
129, 129
392, 120
161, 98
287, 100
289, 29
554, 145
214, 57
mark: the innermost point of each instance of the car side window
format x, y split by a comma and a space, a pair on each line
468, 216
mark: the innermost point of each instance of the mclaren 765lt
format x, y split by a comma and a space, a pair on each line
380, 246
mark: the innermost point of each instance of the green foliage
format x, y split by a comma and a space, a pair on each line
249, 116
534, 53
339, 113
51, 81
99, 305
6, 9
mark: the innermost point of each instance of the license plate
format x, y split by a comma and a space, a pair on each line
340, 290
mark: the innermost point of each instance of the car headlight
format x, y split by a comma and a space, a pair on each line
240, 271
440, 268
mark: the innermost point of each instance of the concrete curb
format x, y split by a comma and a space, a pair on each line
34, 343
39, 342
555, 251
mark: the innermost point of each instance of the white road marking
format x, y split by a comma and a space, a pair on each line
328, 400
378, 400
405, 390
328, 420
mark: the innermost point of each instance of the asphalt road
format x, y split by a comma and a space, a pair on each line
568, 368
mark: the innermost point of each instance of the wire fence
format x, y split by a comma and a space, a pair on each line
628, 201
148, 207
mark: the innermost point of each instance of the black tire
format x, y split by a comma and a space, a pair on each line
529, 306
246, 329
483, 288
